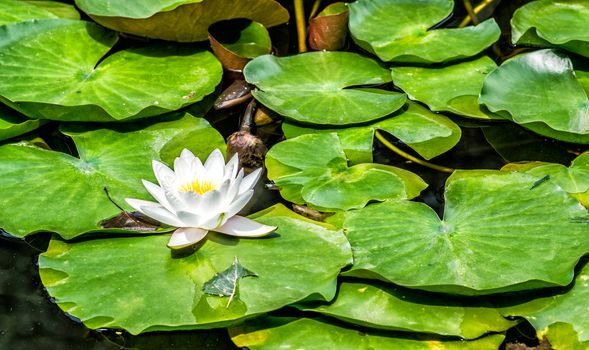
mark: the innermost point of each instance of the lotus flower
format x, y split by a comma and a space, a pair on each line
198, 198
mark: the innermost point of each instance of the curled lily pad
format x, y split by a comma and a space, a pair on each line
312, 169
399, 31
500, 232
14, 11
329, 29
323, 87
561, 23
429, 134
191, 18
43, 74
310, 334
13, 124
406, 310
452, 88
135, 283
74, 201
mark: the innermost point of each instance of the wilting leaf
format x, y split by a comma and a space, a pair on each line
225, 283
329, 29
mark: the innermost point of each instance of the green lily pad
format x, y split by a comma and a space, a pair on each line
406, 310
45, 190
538, 90
136, 284
553, 23
14, 11
453, 88
312, 169
191, 18
500, 232
288, 333
56, 69
429, 134
399, 31
322, 87
554, 314
13, 124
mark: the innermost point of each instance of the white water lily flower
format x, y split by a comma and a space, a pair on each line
197, 198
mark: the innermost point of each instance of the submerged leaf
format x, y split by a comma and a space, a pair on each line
225, 283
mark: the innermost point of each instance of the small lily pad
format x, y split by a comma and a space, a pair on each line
43, 74
400, 31
452, 88
499, 233
191, 19
13, 124
312, 169
14, 11
323, 87
560, 23
402, 309
73, 199
135, 283
429, 134
539, 90
314, 334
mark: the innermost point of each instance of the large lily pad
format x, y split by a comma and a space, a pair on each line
452, 88
45, 190
429, 134
13, 124
57, 69
309, 334
406, 310
14, 11
539, 90
399, 31
135, 283
561, 23
312, 169
500, 232
322, 87
179, 20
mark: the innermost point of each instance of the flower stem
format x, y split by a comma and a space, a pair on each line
314, 9
471, 14
475, 11
406, 155
301, 25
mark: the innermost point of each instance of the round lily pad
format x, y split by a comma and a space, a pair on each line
452, 88
401, 309
539, 90
73, 199
429, 134
13, 124
191, 18
561, 23
323, 87
61, 70
14, 11
312, 169
310, 334
135, 283
400, 31
500, 232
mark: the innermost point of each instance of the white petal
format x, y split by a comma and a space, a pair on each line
182, 170
238, 204
244, 227
212, 201
212, 221
250, 181
186, 236
187, 155
138, 203
190, 219
192, 201
215, 165
162, 215
231, 167
233, 189
157, 193
164, 175
173, 198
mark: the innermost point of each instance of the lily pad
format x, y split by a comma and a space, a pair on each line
406, 310
429, 134
310, 334
190, 18
539, 90
452, 88
323, 87
134, 283
14, 11
73, 200
400, 31
43, 74
13, 124
553, 23
312, 169
500, 232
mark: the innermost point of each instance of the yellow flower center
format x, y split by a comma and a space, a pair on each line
200, 187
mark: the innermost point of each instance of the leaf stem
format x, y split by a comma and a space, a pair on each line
301, 25
314, 9
406, 155
471, 13
475, 11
